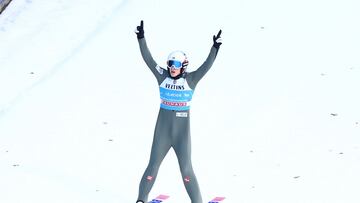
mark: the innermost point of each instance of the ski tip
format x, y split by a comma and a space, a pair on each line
162, 197
217, 199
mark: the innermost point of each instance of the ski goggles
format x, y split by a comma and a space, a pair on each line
175, 64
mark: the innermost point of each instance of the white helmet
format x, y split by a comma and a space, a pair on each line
177, 59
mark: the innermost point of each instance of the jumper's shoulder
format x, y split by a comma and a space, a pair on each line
190, 79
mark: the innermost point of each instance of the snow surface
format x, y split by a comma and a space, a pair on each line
276, 119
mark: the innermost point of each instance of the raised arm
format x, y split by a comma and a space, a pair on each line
194, 77
145, 53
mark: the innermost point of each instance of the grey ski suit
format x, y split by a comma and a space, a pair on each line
173, 123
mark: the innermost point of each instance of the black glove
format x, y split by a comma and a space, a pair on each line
217, 40
140, 30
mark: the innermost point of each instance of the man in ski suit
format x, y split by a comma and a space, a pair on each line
173, 122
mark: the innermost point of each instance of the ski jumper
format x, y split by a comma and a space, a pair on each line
173, 123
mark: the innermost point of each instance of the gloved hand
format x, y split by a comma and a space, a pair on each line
140, 30
217, 40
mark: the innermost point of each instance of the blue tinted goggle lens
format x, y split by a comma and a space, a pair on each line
176, 64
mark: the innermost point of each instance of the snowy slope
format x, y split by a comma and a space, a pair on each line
275, 120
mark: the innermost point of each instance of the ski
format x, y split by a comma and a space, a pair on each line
217, 199
159, 199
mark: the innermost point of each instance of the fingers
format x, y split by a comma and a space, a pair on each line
217, 40
140, 27
219, 33
140, 30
